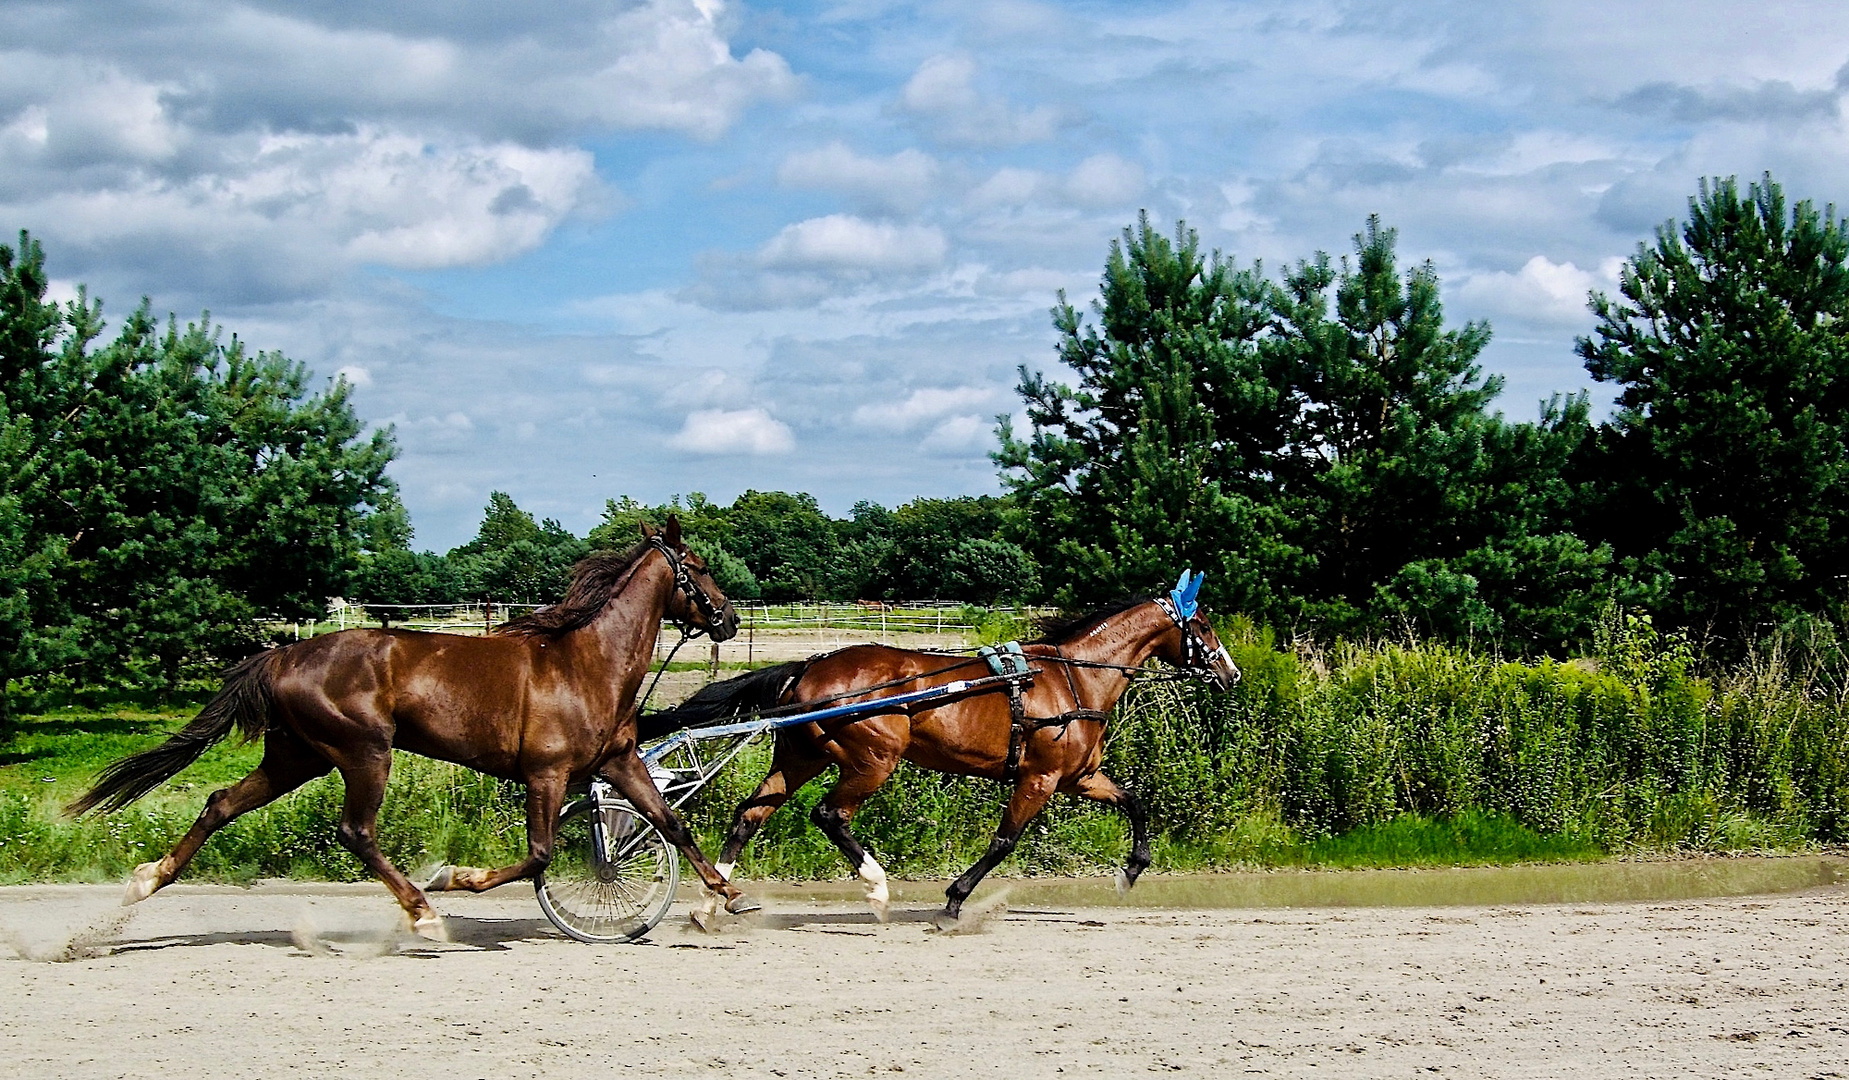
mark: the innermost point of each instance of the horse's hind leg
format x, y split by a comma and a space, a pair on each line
837, 808
287, 764
632, 780
544, 795
365, 774
790, 769
1101, 788
1029, 798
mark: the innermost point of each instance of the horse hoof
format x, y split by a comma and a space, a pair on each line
442, 881
1124, 883
704, 921
742, 905
945, 922
142, 883
430, 927
882, 910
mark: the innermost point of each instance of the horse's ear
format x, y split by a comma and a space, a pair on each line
648, 531
672, 534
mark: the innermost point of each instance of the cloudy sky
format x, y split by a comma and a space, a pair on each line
579, 249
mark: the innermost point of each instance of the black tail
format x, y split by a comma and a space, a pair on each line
719, 701
244, 703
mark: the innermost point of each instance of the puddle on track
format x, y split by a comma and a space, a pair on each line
1562, 883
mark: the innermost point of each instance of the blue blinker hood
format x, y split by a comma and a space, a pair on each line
1186, 593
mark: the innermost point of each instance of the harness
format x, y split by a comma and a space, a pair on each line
683, 581
1007, 661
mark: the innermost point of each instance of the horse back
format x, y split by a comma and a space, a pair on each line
446, 696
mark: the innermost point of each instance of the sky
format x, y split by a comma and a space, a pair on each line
579, 249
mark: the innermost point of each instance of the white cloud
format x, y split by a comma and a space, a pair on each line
923, 404
741, 431
842, 241
959, 435
1542, 290
903, 180
1105, 180
943, 94
355, 375
1010, 186
290, 211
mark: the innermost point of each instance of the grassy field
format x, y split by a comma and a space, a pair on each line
1378, 755
923, 824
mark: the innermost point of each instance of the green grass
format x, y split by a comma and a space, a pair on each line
923, 825
1379, 755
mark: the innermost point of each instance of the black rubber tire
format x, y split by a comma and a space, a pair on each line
632, 894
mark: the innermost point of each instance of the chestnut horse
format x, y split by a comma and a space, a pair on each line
1083, 667
548, 700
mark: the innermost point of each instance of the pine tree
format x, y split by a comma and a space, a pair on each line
1724, 485
1173, 446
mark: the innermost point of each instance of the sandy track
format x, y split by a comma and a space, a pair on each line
210, 982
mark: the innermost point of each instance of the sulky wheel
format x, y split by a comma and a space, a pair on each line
617, 895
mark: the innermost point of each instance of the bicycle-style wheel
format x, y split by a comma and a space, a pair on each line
617, 895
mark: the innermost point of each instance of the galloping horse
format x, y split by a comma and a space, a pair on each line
548, 699
1054, 744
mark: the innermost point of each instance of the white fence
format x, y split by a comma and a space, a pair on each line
868, 616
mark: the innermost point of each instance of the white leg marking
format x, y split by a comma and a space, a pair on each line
877, 893
143, 882
725, 869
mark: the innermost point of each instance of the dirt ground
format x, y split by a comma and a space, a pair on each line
289, 980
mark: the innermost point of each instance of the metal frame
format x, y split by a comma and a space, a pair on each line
687, 760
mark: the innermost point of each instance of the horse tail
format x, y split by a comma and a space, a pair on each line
245, 703
718, 701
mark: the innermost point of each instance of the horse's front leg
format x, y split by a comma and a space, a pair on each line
1030, 797
545, 794
631, 777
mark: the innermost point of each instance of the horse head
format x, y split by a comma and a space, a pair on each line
697, 601
1197, 647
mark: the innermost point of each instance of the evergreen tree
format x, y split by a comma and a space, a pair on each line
1424, 509
1173, 448
1321, 446
173, 489
1724, 487
515, 559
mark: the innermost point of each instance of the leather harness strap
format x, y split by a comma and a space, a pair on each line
1020, 725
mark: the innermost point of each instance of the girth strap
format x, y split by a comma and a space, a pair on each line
1019, 725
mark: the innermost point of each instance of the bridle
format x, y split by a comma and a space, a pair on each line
1196, 657
683, 580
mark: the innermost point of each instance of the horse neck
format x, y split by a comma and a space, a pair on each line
1127, 638
630, 620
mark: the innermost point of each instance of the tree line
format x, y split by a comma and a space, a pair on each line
164, 489
768, 545
1321, 441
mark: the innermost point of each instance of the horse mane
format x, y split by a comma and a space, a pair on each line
1059, 629
594, 582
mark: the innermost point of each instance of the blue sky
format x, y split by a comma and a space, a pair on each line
584, 249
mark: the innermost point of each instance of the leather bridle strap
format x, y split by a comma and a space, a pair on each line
683, 580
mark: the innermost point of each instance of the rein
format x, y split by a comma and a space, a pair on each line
683, 580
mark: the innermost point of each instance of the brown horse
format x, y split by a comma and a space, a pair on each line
1083, 667
548, 700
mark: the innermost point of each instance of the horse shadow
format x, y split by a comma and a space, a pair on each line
465, 932
492, 934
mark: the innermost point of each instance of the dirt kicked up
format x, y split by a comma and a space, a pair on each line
206, 982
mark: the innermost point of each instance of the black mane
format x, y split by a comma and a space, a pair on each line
594, 581
1059, 629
